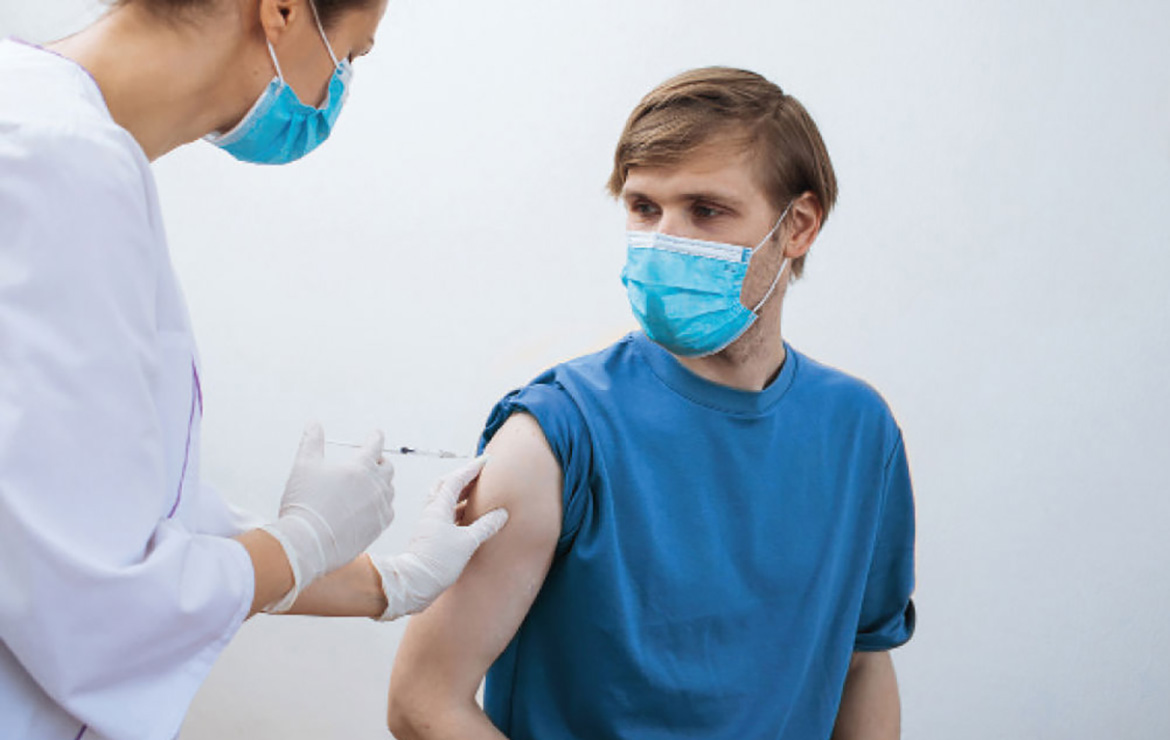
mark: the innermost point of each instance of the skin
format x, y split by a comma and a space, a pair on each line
353, 590
206, 69
713, 195
869, 704
448, 648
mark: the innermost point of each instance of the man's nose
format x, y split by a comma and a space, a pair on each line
672, 222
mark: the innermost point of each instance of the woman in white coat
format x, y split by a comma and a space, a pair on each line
122, 577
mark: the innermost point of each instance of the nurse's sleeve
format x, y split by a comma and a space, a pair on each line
116, 611
219, 516
887, 612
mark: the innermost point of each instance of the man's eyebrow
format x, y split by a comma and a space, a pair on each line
726, 199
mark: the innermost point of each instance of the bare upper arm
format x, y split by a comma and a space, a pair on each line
448, 648
869, 701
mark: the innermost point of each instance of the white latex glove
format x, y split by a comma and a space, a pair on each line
331, 511
439, 549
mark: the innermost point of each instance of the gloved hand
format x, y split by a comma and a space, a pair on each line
331, 511
439, 550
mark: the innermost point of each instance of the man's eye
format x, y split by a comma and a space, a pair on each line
644, 209
702, 211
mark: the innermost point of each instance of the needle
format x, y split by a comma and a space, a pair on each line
444, 454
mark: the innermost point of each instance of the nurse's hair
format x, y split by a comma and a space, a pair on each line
689, 110
329, 10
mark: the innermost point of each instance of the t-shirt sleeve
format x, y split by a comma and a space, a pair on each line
565, 429
887, 612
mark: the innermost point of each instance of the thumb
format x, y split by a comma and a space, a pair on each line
486, 527
312, 442
451, 486
372, 448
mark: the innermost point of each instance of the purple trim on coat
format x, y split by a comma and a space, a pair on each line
196, 405
198, 388
81, 732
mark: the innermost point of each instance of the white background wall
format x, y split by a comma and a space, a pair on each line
997, 267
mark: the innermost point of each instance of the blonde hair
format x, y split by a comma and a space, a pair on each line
689, 110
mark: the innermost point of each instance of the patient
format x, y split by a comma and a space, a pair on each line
711, 534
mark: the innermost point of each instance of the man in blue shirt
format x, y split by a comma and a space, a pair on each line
711, 535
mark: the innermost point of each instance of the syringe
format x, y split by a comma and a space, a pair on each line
444, 454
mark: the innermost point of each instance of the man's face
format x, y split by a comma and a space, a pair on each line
714, 195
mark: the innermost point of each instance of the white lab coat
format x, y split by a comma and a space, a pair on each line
119, 584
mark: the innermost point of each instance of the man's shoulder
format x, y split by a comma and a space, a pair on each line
566, 381
562, 397
601, 365
832, 387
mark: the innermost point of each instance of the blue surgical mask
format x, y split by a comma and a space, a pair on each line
279, 128
685, 292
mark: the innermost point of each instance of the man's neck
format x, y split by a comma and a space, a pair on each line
750, 363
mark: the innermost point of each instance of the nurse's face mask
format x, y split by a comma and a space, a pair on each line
279, 128
685, 292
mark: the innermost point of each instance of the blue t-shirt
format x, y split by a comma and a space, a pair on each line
722, 553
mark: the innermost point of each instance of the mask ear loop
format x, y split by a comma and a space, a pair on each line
275, 63
783, 263
321, 30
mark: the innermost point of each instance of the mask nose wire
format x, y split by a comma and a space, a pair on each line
783, 262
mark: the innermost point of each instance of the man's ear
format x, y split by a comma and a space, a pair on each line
804, 223
277, 16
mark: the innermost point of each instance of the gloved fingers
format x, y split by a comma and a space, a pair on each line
486, 527
312, 442
386, 511
385, 471
371, 451
381, 510
452, 485
382, 492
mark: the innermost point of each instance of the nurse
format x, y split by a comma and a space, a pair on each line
122, 577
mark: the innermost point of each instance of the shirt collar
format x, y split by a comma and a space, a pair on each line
713, 395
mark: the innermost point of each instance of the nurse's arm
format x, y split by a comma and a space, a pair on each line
353, 590
869, 704
273, 575
448, 649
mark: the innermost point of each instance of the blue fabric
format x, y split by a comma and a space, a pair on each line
722, 553
685, 292
279, 128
